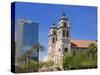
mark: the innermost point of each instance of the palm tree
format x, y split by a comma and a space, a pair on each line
26, 57
22, 59
36, 48
29, 54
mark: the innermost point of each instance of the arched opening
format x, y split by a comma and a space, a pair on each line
54, 32
52, 40
64, 24
63, 33
65, 49
67, 34
56, 39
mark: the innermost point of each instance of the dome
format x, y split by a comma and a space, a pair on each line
63, 17
63, 21
53, 26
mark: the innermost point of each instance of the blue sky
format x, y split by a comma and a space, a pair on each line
83, 19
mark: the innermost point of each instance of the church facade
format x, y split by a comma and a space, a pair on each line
59, 41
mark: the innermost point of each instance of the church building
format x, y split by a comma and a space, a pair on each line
59, 41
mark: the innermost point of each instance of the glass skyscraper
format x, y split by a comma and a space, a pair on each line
27, 36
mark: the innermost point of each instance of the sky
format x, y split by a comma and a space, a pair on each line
83, 20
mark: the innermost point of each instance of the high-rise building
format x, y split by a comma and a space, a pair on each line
27, 36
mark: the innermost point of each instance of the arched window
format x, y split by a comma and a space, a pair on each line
52, 40
64, 24
67, 34
56, 39
63, 33
54, 32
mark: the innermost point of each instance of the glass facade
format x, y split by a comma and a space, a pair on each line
30, 35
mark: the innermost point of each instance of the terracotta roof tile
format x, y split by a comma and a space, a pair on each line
81, 43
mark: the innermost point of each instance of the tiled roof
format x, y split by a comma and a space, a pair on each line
81, 43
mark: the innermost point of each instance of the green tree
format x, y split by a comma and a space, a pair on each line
67, 62
25, 59
77, 60
81, 60
92, 50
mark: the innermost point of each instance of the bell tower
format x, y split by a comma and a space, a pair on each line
52, 42
63, 39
